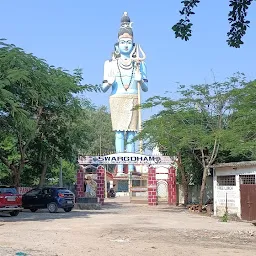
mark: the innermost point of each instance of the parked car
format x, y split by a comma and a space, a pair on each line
51, 198
10, 200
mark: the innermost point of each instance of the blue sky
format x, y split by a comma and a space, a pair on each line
82, 33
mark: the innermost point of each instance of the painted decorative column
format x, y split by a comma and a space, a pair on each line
80, 183
100, 184
152, 186
172, 193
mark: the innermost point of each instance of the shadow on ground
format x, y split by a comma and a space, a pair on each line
45, 215
110, 207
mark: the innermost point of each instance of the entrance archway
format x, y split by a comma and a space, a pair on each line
160, 182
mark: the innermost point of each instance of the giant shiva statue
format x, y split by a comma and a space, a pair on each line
125, 73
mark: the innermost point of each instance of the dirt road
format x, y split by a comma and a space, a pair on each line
125, 230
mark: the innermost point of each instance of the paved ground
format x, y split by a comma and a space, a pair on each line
126, 230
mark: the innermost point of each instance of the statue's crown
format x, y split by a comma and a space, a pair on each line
125, 18
126, 27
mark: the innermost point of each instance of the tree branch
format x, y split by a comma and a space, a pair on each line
237, 19
182, 28
213, 155
203, 157
7, 163
40, 111
216, 153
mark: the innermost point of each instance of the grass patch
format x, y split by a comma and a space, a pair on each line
224, 218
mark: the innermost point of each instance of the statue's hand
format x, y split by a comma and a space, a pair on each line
111, 80
111, 77
137, 76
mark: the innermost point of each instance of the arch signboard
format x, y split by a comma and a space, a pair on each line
126, 158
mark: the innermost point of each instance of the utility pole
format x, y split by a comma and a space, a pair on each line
100, 144
106, 183
60, 174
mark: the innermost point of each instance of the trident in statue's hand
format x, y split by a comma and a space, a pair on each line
135, 55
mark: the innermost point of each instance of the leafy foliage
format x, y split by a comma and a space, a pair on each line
237, 19
195, 126
183, 28
243, 126
101, 140
41, 117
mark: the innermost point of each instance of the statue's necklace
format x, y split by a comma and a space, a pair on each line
126, 86
125, 63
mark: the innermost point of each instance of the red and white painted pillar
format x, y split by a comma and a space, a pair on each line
100, 184
152, 186
172, 193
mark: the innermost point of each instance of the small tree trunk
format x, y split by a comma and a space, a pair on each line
15, 173
185, 192
21, 166
16, 177
184, 179
43, 175
201, 197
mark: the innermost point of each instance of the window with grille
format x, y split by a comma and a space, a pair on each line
247, 179
229, 180
136, 183
139, 183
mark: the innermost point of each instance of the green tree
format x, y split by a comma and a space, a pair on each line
166, 130
243, 126
236, 17
69, 170
33, 95
102, 139
57, 137
87, 130
4, 174
197, 121
157, 131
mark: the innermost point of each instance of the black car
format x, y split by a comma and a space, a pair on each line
51, 198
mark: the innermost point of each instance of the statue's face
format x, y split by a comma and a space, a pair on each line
125, 45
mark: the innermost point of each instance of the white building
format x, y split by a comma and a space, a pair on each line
234, 188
